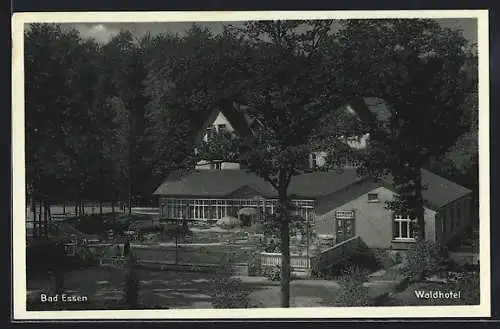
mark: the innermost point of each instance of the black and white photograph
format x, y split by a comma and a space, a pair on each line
251, 165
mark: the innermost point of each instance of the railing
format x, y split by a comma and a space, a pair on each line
338, 252
274, 259
335, 254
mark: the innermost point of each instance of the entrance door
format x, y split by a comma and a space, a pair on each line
345, 221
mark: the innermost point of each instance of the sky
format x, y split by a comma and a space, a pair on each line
103, 32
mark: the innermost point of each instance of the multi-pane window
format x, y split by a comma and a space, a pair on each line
403, 228
345, 224
314, 160
213, 209
373, 197
210, 133
221, 128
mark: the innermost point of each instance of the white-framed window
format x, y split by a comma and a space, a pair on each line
404, 228
345, 223
221, 127
344, 214
210, 133
314, 160
373, 197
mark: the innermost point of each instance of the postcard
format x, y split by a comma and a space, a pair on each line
250, 165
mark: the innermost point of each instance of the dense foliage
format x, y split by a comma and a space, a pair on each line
108, 122
427, 76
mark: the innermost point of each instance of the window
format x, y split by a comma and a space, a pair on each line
373, 197
314, 160
221, 127
210, 133
344, 214
403, 228
345, 224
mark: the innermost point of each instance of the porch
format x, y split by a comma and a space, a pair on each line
304, 264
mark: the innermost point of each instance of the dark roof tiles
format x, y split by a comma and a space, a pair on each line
221, 183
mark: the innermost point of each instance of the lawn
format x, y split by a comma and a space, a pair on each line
158, 289
177, 290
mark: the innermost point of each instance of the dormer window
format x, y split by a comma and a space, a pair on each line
221, 128
373, 197
210, 133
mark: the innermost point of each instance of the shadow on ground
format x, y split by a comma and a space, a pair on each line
105, 288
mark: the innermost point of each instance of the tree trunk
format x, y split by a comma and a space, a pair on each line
33, 210
285, 241
100, 207
45, 219
285, 263
113, 206
39, 224
129, 206
33, 198
64, 206
49, 212
420, 206
177, 242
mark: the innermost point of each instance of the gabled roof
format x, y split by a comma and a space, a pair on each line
237, 119
220, 183
438, 191
314, 185
213, 183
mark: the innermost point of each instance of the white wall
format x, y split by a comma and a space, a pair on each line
373, 222
220, 119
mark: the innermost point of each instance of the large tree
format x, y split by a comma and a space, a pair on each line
294, 84
60, 90
420, 70
124, 68
285, 73
188, 78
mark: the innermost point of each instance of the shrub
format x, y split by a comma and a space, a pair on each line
352, 292
226, 291
273, 273
469, 288
383, 258
229, 222
424, 258
254, 265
